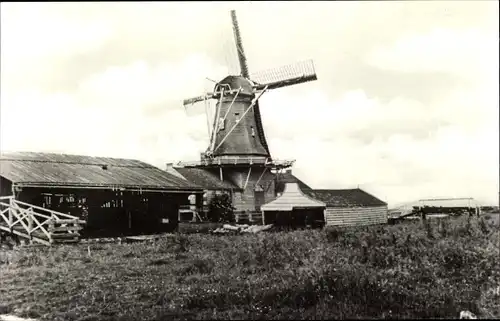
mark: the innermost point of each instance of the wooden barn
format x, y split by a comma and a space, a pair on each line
114, 196
346, 207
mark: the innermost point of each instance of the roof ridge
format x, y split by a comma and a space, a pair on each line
355, 195
79, 163
21, 153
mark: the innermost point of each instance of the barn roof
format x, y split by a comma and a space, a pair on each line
205, 178
345, 197
50, 169
291, 198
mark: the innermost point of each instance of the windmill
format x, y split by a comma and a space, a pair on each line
237, 140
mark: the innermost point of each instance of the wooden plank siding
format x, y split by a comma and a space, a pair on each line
245, 200
349, 216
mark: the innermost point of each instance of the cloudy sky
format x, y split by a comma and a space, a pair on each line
405, 105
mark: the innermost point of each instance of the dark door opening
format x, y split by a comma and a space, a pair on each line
260, 199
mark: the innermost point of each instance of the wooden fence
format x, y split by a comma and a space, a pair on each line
248, 216
38, 224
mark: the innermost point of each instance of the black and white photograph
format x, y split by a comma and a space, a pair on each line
249, 160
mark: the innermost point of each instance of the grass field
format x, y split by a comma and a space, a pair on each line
401, 271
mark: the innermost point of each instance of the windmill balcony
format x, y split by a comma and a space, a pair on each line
239, 160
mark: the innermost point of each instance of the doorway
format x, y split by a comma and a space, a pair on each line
260, 198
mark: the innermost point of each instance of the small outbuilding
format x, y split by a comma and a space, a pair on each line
114, 196
294, 209
349, 207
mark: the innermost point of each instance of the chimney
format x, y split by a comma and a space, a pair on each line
170, 167
288, 171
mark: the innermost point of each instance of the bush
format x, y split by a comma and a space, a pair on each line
221, 209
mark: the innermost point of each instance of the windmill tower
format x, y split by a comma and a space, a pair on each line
238, 151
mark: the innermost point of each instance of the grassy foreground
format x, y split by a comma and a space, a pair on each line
400, 271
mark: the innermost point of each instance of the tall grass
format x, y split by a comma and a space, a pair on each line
411, 270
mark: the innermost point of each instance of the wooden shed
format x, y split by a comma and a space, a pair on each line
115, 196
347, 207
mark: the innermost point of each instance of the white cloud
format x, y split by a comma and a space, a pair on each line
39, 32
465, 53
140, 84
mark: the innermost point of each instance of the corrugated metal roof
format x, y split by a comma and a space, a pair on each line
205, 178
52, 169
291, 198
345, 197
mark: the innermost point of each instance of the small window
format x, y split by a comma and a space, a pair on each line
237, 116
253, 131
221, 123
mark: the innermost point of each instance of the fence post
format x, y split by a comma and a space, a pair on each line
51, 228
249, 216
11, 216
30, 222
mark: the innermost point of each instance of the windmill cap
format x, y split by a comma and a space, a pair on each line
236, 82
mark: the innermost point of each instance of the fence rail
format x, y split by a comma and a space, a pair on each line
249, 216
37, 223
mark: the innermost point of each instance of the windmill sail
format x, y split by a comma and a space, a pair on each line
193, 100
239, 46
285, 75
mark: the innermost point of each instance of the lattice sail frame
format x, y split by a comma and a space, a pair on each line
282, 76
